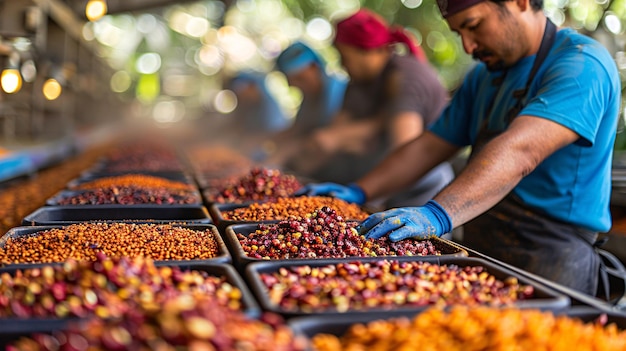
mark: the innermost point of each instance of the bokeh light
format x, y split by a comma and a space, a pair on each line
146, 23
28, 71
613, 24
319, 28
120, 81
11, 80
196, 27
95, 9
412, 4
168, 111
225, 101
52, 89
148, 63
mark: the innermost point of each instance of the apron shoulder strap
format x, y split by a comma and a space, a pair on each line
546, 44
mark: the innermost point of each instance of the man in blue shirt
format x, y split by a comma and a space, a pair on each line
536, 189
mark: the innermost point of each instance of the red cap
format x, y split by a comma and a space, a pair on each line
450, 7
368, 30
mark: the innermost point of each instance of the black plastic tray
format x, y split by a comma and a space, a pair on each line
339, 325
54, 200
51, 215
222, 257
447, 248
545, 298
12, 329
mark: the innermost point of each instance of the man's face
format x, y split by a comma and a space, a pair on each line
491, 33
308, 79
362, 65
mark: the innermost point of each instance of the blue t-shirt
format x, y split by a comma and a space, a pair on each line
577, 86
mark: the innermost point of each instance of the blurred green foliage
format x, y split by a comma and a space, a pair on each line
270, 25
605, 20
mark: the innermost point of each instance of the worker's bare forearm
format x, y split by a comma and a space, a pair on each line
405, 165
500, 165
486, 180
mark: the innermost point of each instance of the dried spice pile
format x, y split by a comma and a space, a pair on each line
23, 197
106, 288
83, 241
132, 189
299, 207
387, 284
125, 195
134, 180
324, 234
479, 328
183, 322
260, 184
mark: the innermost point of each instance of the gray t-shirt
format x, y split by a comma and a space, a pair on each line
405, 84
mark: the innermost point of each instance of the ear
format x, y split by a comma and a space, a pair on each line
523, 5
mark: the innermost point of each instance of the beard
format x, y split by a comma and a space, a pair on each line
510, 43
493, 67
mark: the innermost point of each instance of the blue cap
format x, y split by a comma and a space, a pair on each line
244, 78
296, 57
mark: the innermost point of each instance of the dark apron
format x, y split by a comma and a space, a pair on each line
523, 237
518, 235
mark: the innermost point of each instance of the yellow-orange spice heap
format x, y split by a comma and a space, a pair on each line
479, 328
24, 196
299, 207
84, 240
137, 180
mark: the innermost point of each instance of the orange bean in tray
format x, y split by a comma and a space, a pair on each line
145, 181
299, 207
479, 328
83, 241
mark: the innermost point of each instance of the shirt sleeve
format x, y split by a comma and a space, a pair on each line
415, 86
574, 90
454, 124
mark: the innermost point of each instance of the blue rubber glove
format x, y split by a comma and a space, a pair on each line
408, 222
350, 193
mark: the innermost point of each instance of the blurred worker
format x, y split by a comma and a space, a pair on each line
390, 100
257, 115
322, 96
540, 112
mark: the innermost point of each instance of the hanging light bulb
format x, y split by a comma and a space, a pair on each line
11, 80
95, 9
52, 89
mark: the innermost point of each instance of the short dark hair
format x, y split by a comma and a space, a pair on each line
535, 4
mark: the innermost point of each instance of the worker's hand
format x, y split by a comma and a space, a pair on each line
326, 140
406, 222
350, 193
341, 138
